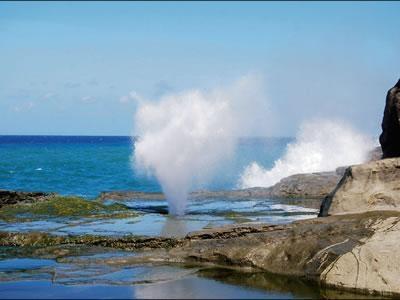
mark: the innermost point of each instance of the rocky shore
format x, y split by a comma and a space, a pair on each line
352, 246
354, 252
307, 186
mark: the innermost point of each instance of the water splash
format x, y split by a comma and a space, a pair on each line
321, 145
184, 136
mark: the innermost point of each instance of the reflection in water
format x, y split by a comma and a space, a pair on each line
199, 288
174, 227
86, 275
278, 286
264, 281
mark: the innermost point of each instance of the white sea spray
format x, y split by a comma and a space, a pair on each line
320, 145
184, 136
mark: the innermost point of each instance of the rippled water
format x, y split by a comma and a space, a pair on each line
153, 219
89, 277
89, 165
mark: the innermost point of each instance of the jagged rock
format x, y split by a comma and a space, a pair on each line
366, 187
16, 197
390, 137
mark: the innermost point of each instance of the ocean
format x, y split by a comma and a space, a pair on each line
88, 165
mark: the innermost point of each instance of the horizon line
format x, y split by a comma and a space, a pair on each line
130, 136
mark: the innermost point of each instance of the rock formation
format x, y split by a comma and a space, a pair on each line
355, 252
366, 187
390, 137
310, 185
15, 197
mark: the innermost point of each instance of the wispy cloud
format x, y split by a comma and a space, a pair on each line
71, 85
162, 87
133, 96
88, 99
26, 106
93, 82
49, 96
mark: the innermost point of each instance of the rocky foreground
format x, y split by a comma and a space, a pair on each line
352, 246
355, 252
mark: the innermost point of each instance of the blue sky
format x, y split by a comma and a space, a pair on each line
66, 68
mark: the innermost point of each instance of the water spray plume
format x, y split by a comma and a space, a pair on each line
184, 136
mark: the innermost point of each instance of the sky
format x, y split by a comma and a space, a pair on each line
76, 68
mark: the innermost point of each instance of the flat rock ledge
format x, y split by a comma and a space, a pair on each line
307, 186
358, 253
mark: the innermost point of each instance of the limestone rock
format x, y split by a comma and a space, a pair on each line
373, 265
352, 252
371, 186
390, 137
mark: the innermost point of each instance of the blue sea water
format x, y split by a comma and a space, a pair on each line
88, 165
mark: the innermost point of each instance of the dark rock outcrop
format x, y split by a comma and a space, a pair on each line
15, 197
390, 137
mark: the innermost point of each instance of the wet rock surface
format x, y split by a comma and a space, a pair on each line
343, 251
17, 197
39, 206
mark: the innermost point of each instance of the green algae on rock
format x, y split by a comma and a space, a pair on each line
60, 206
